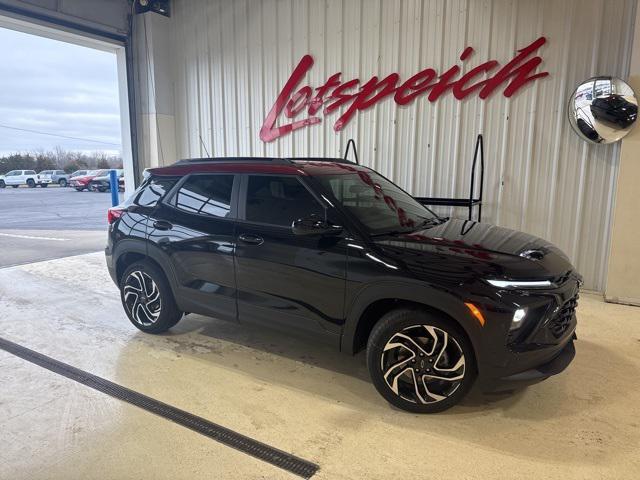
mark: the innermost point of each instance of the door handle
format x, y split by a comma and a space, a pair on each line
251, 239
162, 225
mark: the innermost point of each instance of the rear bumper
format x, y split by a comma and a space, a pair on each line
110, 264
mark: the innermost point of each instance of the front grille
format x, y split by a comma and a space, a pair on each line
559, 324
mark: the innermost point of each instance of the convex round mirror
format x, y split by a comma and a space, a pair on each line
603, 109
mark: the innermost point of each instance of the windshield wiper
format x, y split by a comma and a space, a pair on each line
431, 222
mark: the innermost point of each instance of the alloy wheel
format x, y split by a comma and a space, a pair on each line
423, 364
142, 298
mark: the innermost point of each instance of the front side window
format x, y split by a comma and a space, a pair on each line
377, 203
206, 195
279, 200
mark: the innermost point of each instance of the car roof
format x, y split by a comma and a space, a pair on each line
282, 166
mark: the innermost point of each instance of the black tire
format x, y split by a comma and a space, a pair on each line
31, 183
62, 182
44, 185
101, 189
432, 395
2, 184
79, 189
155, 315
15, 186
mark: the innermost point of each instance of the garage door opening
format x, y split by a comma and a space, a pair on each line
64, 123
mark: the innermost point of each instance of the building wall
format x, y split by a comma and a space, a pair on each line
230, 60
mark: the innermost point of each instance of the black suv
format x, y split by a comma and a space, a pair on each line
335, 250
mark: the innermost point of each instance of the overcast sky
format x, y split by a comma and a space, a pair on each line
59, 88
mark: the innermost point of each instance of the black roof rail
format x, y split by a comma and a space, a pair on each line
319, 159
189, 161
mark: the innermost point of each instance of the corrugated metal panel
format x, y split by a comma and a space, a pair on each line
233, 57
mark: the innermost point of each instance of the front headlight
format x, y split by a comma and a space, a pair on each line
521, 284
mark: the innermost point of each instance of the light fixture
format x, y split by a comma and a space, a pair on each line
520, 284
476, 313
518, 318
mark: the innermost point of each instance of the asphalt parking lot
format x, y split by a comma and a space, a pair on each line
41, 224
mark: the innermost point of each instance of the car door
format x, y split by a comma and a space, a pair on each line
285, 280
12, 177
193, 232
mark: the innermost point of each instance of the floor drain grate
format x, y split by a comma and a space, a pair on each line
262, 451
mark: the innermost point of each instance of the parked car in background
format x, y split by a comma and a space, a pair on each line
60, 177
46, 177
15, 178
102, 183
82, 182
79, 173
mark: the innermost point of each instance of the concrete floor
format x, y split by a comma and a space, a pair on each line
304, 399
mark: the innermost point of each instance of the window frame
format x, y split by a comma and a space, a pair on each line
242, 198
169, 199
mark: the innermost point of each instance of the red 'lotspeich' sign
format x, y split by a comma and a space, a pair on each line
301, 107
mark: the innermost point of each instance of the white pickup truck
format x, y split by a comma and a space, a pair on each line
15, 178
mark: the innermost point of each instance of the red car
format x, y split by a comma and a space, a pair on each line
84, 182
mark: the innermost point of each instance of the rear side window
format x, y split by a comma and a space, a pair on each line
206, 195
279, 200
154, 190
29, 172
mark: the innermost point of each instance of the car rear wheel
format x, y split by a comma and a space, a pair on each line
2, 184
62, 182
31, 183
147, 298
420, 362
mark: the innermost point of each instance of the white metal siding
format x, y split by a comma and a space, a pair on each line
232, 58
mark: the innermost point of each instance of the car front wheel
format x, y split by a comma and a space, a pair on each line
31, 183
420, 362
2, 184
62, 182
147, 298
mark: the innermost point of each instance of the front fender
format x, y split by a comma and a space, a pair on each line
412, 291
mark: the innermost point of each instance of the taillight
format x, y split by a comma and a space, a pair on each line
113, 214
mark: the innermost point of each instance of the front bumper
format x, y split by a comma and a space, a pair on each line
541, 347
555, 365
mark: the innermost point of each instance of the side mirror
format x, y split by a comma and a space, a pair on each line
314, 225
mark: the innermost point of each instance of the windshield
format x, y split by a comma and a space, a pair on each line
378, 204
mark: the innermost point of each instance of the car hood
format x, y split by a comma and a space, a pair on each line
480, 247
